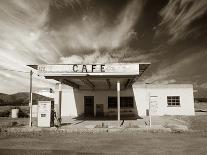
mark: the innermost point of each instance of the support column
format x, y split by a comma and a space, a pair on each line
30, 104
118, 103
149, 100
59, 105
150, 117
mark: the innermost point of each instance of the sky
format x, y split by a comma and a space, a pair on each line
170, 34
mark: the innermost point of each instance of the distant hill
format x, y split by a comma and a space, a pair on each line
21, 99
200, 99
201, 93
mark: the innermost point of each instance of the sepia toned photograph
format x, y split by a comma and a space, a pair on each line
103, 77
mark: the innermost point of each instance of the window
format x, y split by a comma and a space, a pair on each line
125, 102
112, 102
173, 101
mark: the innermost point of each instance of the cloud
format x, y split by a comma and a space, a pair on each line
64, 3
25, 37
95, 57
107, 42
112, 56
29, 41
186, 68
92, 31
23, 40
203, 85
178, 16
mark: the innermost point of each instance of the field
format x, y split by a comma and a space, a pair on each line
201, 106
192, 142
5, 111
113, 143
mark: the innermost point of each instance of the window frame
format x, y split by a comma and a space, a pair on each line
125, 102
173, 101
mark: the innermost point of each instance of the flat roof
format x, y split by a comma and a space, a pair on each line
144, 85
93, 76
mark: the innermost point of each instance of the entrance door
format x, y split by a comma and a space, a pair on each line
99, 110
89, 105
153, 105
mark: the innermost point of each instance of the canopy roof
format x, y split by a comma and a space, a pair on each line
93, 76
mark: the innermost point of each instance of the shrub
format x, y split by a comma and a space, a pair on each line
5, 113
24, 113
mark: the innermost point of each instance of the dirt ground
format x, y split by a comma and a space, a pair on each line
197, 122
113, 143
192, 142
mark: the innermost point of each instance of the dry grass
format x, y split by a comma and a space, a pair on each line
201, 106
5, 111
114, 143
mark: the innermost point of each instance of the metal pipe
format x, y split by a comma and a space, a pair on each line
118, 103
59, 105
30, 104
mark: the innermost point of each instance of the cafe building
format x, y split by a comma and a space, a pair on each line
114, 90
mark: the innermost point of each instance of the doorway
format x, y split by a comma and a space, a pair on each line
154, 105
89, 105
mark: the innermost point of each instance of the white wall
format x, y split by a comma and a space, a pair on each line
73, 100
143, 93
68, 106
100, 97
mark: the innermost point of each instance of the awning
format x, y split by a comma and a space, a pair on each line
93, 76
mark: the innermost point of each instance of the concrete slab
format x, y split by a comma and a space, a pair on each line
90, 126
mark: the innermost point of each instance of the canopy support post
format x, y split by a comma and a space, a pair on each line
59, 105
30, 104
118, 103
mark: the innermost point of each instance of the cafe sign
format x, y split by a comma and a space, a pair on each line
89, 69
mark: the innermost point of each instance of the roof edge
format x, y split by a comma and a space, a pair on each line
33, 66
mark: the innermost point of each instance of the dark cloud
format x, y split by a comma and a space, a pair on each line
181, 38
184, 19
146, 26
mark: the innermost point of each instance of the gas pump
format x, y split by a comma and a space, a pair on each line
45, 114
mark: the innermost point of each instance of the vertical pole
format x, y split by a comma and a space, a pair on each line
150, 117
30, 104
59, 105
118, 103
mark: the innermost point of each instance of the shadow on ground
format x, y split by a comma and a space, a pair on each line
105, 118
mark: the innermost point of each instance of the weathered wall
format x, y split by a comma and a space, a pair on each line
143, 93
73, 100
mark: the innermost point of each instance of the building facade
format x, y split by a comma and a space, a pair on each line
170, 99
106, 90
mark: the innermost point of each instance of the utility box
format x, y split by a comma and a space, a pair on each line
45, 114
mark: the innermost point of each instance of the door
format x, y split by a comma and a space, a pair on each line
153, 105
99, 110
89, 105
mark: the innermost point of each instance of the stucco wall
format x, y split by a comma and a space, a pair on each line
73, 99
143, 93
